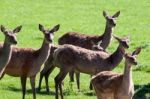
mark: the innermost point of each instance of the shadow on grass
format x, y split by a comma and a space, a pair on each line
30, 91
141, 92
90, 93
148, 71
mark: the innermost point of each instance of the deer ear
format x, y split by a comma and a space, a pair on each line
41, 27
17, 29
3, 29
116, 14
117, 38
137, 51
127, 38
105, 14
55, 28
126, 55
99, 43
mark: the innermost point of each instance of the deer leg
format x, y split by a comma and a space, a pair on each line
46, 78
78, 80
48, 68
32, 81
61, 92
71, 75
40, 81
91, 87
58, 80
23, 84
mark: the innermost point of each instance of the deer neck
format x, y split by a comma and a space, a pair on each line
5, 55
116, 57
106, 37
127, 78
43, 53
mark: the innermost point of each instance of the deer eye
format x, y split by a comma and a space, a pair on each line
11, 37
132, 59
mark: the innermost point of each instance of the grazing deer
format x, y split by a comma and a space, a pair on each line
6, 48
110, 85
70, 57
83, 40
47, 71
26, 62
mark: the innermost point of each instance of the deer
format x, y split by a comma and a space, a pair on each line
83, 40
111, 85
26, 62
70, 57
47, 71
6, 47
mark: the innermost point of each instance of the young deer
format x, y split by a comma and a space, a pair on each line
47, 71
6, 48
110, 85
26, 62
70, 57
83, 40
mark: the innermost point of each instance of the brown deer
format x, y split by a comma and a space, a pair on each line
70, 57
83, 40
26, 62
6, 48
47, 71
110, 85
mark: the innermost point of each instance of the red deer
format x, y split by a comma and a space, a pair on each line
6, 48
26, 62
110, 85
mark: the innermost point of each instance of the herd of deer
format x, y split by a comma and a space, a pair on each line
75, 53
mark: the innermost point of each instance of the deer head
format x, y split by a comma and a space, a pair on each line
10, 36
49, 33
131, 59
111, 20
123, 42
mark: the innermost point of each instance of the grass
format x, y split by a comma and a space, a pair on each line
84, 16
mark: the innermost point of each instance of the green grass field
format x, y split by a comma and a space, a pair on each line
83, 16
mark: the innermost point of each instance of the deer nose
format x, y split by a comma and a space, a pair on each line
15, 42
50, 40
127, 46
135, 63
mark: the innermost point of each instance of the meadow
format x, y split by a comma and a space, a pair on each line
83, 16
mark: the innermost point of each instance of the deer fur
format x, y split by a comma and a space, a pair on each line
26, 62
47, 71
6, 47
83, 40
70, 57
110, 85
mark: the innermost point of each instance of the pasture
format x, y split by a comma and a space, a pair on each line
83, 16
